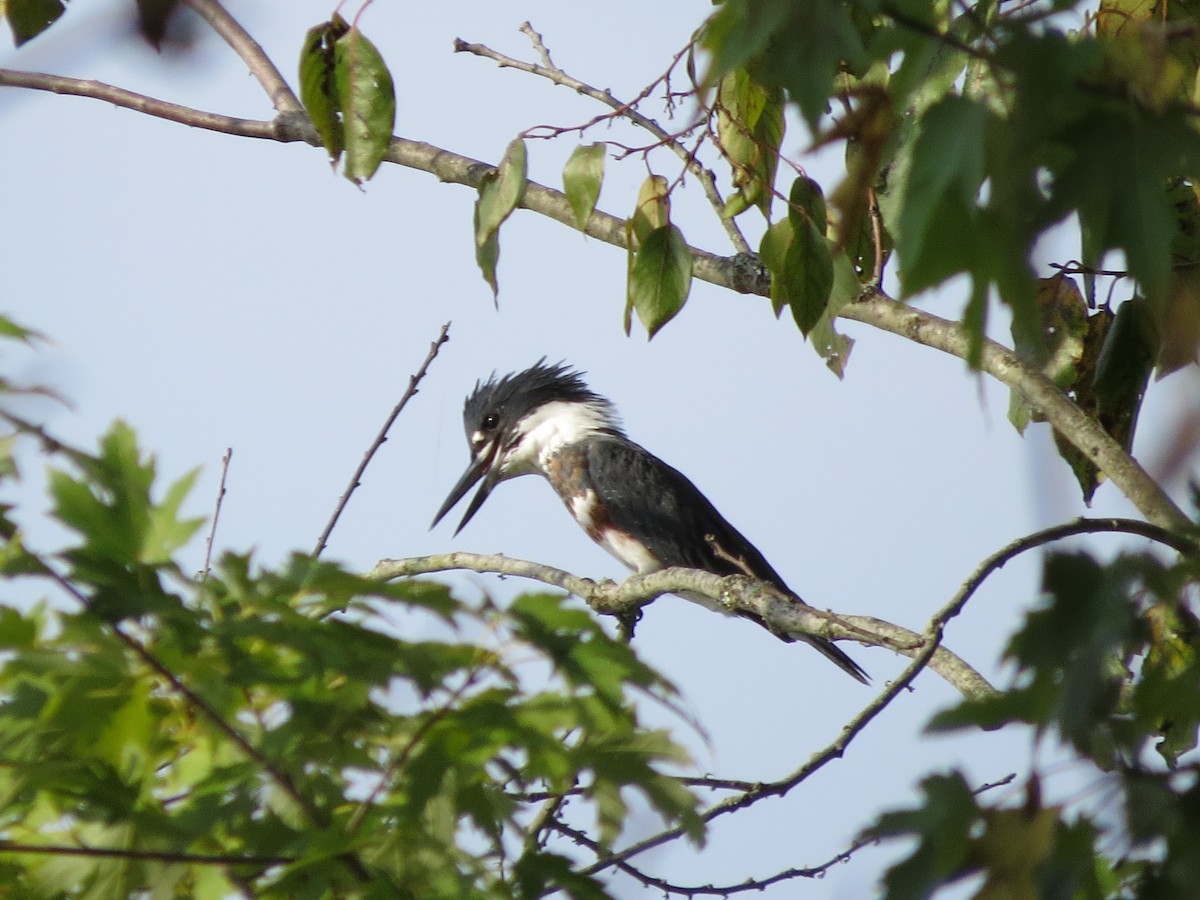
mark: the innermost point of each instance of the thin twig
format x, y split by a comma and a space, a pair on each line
624, 109
397, 765
381, 437
212, 532
282, 97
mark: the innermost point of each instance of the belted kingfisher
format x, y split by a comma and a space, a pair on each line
546, 420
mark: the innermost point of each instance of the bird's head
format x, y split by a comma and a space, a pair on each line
515, 423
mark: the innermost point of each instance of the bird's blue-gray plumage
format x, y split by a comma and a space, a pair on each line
546, 420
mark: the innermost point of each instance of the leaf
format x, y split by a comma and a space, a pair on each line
153, 18
29, 18
808, 273
773, 252
367, 101
749, 131
582, 176
500, 193
660, 278
1060, 346
653, 208
806, 202
1012, 849
942, 827
318, 83
937, 195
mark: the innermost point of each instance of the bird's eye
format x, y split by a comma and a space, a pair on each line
490, 421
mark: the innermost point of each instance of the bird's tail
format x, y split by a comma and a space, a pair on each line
824, 645
836, 656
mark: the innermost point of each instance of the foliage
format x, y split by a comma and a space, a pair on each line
1107, 665
281, 732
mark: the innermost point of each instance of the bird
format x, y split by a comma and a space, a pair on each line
545, 420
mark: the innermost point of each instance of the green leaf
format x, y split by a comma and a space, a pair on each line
660, 278
29, 18
367, 101
582, 176
318, 83
500, 193
167, 532
773, 251
938, 192
808, 273
942, 827
806, 202
795, 46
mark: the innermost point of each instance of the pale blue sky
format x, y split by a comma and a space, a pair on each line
220, 292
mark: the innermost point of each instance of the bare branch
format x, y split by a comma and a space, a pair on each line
735, 592
381, 437
260, 65
212, 531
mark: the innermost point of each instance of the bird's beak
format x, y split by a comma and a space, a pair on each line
481, 467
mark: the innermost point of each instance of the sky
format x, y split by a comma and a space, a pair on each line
218, 292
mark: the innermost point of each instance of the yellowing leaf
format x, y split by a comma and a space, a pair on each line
653, 208
500, 193
581, 180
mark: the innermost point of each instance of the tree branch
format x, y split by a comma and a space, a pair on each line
742, 273
735, 593
381, 437
252, 54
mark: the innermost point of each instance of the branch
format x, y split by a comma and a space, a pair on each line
212, 531
743, 273
736, 593
281, 129
381, 437
252, 54
624, 109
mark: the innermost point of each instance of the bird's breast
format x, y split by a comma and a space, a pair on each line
567, 473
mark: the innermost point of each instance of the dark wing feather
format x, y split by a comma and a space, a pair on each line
659, 506
656, 504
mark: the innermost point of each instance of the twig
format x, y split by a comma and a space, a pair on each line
627, 110
159, 109
710, 890
212, 532
252, 54
394, 768
381, 437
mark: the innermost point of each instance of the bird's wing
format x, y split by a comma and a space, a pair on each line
659, 507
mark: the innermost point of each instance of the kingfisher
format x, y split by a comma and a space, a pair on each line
547, 421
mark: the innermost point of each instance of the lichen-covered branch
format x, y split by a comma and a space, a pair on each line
734, 592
